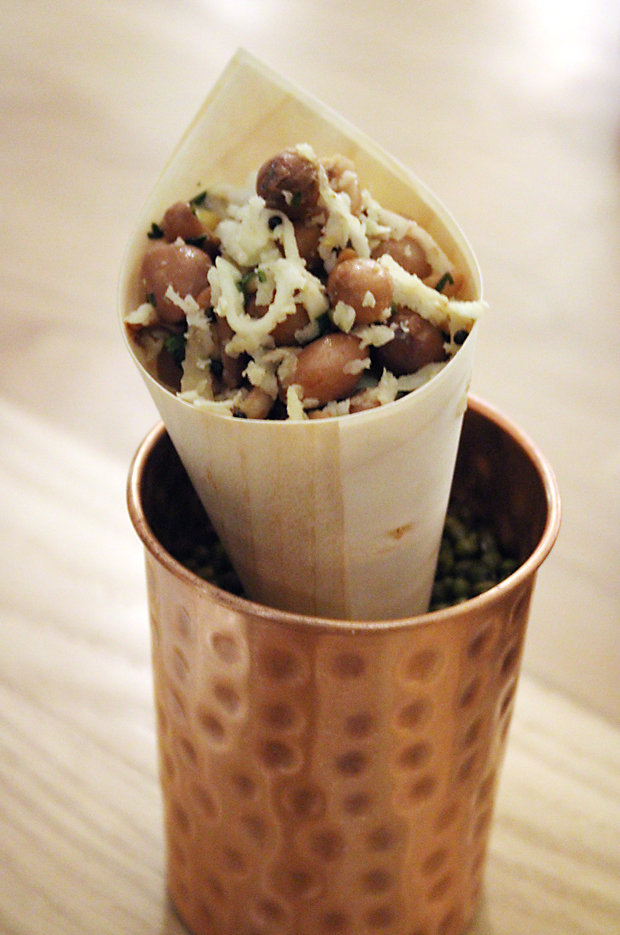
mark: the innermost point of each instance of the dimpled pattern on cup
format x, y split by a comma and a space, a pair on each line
320, 781
322, 777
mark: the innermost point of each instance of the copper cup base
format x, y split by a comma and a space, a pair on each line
325, 777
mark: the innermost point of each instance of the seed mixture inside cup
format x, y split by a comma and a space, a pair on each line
472, 557
300, 297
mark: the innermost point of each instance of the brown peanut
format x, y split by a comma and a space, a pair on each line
326, 368
408, 253
416, 342
308, 237
343, 178
257, 404
180, 221
284, 333
364, 285
181, 266
232, 367
289, 183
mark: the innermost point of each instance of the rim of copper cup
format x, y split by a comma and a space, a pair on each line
247, 607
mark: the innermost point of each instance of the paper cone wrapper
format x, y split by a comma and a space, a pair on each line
338, 517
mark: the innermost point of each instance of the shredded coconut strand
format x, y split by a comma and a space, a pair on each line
188, 305
356, 366
294, 406
342, 225
448, 314
343, 316
143, 316
374, 335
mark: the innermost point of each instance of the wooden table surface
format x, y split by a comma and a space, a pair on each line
510, 111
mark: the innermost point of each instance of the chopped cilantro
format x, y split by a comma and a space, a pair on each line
198, 200
445, 280
175, 345
155, 233
196, 241
243, 283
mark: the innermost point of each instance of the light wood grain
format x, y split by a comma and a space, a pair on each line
80, 821
508, 110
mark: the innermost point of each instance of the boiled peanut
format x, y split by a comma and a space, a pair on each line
408, 253
326, 368
257, 404
364, 285
289, 183
181, 266
343, 178
232, 367
180, 221
284, 333
416, 342
308, 237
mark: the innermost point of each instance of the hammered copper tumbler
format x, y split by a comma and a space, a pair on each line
324, 777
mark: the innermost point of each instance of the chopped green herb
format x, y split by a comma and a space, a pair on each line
296, 200
155, 233
445, 280
196, 241
262, 276
198, 200
245, 280
151, 299
175, 345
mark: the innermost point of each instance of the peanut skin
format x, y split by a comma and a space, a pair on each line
284, 332
326, 368
416, 342
181, 266
408, 253
364, 285
289, 183
180, 221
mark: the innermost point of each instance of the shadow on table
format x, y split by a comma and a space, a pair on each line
482, 925
171, 924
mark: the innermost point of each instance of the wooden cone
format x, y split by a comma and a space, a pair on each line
338, 517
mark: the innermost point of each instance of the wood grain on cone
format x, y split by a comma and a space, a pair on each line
340, 517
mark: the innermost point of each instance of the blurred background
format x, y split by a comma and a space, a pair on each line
508, 109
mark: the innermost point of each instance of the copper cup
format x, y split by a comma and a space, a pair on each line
320, 776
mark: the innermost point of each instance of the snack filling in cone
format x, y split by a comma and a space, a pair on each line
304, 313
